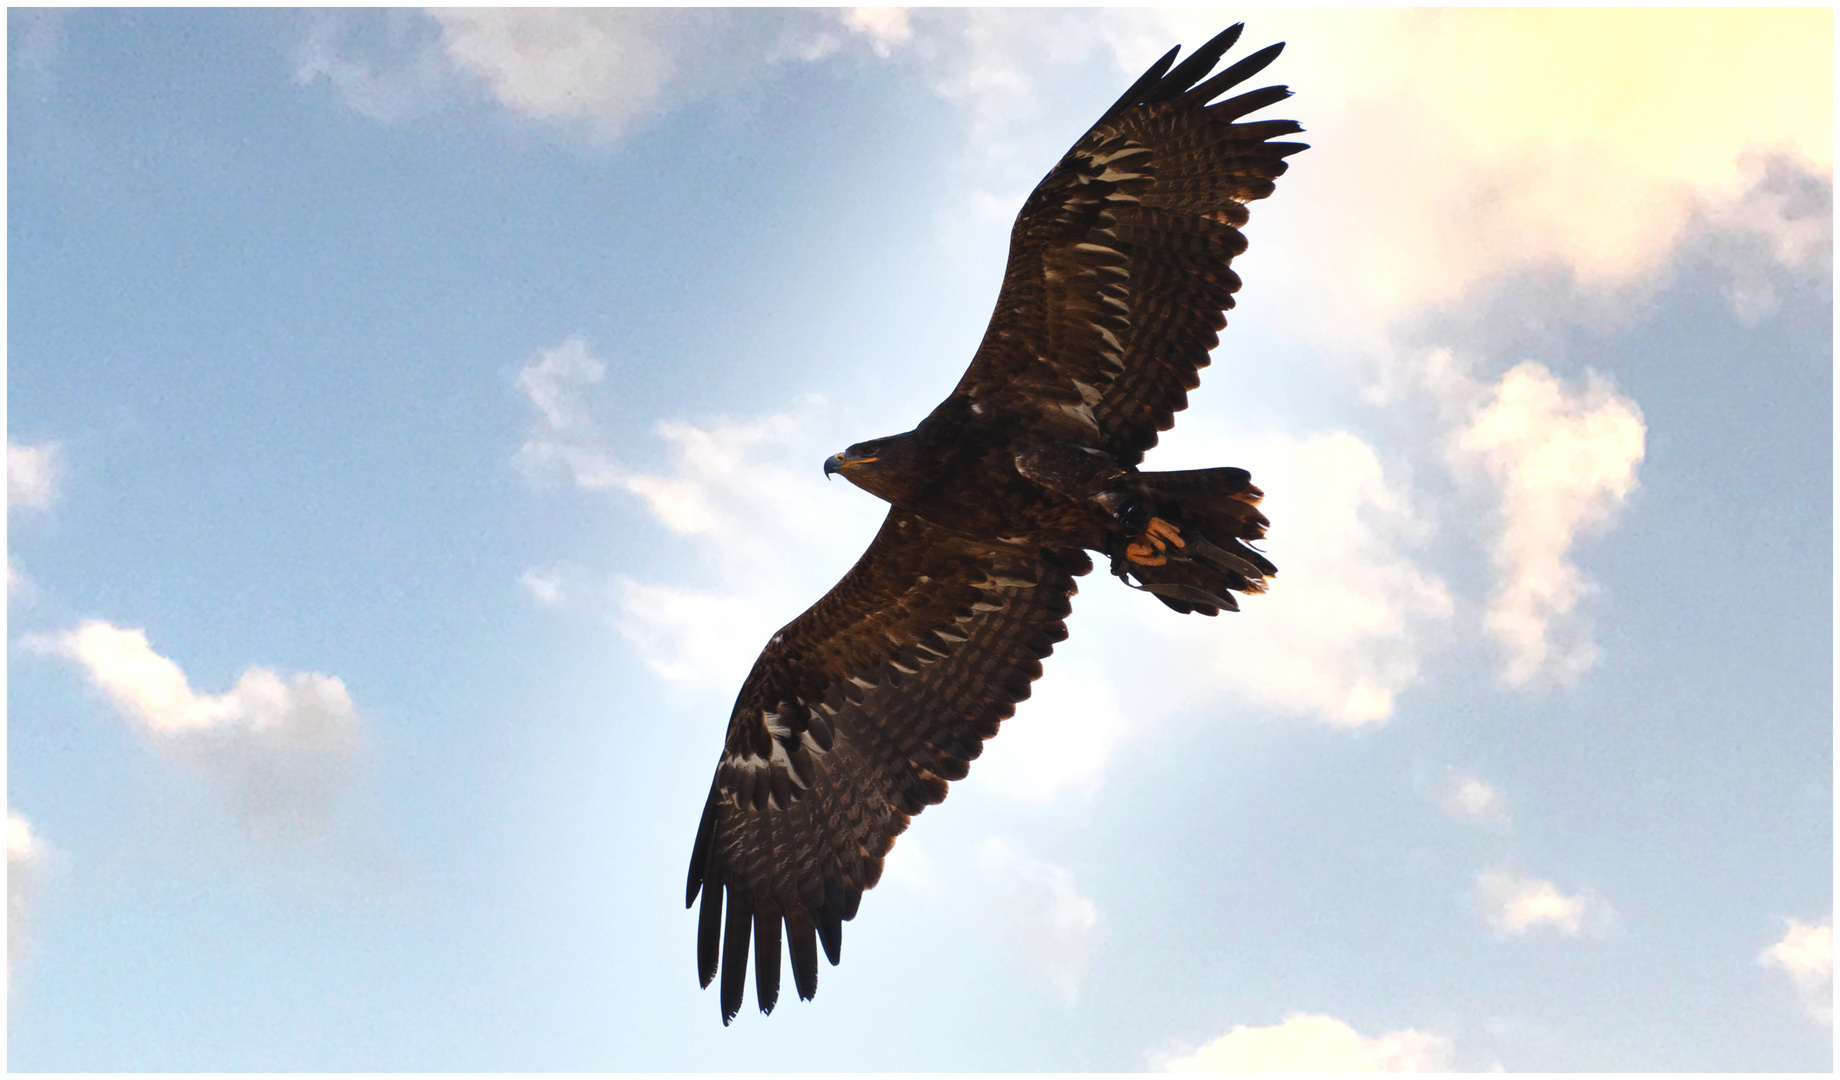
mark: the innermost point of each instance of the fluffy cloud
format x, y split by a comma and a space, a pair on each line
1350, 613
32, 475
1315, 1043
1805, 954
1563, 462
1515, 906
1468, 797
25, 859
282, 753
1042, 914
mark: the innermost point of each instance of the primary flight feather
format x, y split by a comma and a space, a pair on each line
859, 712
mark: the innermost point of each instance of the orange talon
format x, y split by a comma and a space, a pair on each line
1163, 529
1143, 554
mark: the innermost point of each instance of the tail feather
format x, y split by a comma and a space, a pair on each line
1215, 511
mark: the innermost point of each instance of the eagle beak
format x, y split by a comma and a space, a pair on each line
833, 465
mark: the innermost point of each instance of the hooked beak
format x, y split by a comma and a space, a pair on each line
833, 465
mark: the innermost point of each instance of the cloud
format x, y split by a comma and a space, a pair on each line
544, 586
1059, 740
1468, 797
885, 27
601, 72
1349, 614
26, 854
1041, 914
282, 754
606, 66
772, 536
1805, 953
1563, 462
1582, 139
385, 65
1316, 1043
1515, 906
566, 439
33, 475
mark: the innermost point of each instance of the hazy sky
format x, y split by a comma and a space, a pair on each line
414, 431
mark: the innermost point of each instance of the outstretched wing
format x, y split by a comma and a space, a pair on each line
854, 718
1119, 261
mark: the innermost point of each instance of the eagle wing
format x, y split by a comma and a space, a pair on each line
1119, 261
853, 719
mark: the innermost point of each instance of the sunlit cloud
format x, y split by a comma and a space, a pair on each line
1596, 165
1805, 953
1041, 913
281, 753
1316, 1043
1350, 613
1516, 905
1060, 739
1563, 461
33, 475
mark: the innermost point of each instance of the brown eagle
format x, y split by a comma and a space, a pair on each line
859, 711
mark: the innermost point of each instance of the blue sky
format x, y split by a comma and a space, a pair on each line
414, 429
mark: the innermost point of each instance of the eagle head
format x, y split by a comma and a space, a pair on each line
876, 466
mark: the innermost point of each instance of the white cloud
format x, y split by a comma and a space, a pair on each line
1316, 1043
1529, 147
25, 861
885, 27
1805, 953
566, 439
1041, 913
18, 585
544, 586
33, 474
772, 534
1515, 905
1059, 740
386, 65
281, 753
1468, 797
1563, 462
609, 66
1349, 613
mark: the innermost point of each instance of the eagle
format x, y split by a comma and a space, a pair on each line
860, 712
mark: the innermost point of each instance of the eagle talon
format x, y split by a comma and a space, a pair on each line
1143, 554
1149, 549
1158, 528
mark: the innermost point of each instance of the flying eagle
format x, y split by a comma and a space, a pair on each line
859, 712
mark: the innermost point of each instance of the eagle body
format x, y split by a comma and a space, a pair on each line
860, 712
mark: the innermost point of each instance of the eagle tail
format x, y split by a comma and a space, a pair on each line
1191, 552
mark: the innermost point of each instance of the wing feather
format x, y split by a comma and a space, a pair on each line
856, 717
1119, 261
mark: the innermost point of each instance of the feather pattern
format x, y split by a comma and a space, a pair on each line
1119, 261
792, 838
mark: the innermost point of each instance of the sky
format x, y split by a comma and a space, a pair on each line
414, 430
